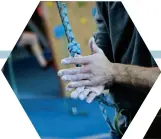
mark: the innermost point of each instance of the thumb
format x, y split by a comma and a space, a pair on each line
93, 46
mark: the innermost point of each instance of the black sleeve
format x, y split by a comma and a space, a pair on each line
102, 37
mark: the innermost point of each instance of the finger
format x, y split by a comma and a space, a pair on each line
90, 44
84, 94
77, 60
76, 92
76, 77
79, 84
73, 71
97, 89
91, 97
93, 46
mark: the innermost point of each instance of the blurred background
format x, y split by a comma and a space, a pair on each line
31, 70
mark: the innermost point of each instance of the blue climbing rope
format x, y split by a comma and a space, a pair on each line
74, 50
73, 46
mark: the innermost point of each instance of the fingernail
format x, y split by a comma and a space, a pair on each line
89, 100
81, 96
64, 78
65, 61
73, 95
60, 73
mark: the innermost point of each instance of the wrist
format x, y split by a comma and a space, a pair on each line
115, 72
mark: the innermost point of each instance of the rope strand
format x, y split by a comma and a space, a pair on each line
73, 46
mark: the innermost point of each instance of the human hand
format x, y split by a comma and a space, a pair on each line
88, 92
97, 70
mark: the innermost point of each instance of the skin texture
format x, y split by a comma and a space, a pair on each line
141, 78
97, 71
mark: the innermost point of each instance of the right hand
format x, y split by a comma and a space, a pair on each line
88, 93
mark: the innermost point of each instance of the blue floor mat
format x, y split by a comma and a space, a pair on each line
51, 118
38, 93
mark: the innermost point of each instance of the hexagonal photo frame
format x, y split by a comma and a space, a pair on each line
18, 72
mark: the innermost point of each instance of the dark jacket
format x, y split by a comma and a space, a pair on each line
122, 43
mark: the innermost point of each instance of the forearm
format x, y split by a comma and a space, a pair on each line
28, 38
140, 78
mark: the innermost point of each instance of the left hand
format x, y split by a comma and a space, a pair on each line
88, 93
97, 70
